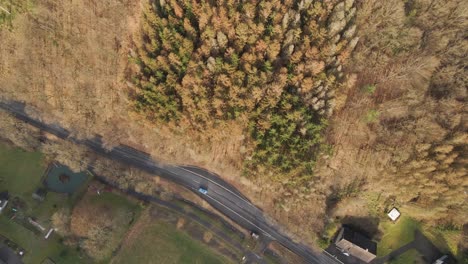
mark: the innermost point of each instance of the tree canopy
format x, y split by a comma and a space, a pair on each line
273, 62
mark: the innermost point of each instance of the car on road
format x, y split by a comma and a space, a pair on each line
202, 190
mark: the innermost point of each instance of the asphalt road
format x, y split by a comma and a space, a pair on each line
221, 195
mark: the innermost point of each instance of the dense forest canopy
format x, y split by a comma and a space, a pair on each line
274, 64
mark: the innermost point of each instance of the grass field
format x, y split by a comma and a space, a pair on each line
445, 240
20, 174
38, 249
20, 171
204, 216
115, 202
156, 241
271, 259
396, 234
409, 257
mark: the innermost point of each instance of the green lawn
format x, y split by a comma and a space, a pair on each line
396, 234
409, 257
37, 248
20, 171
20, 175
114, 201
162, 243
445, 240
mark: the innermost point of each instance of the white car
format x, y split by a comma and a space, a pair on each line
202, 190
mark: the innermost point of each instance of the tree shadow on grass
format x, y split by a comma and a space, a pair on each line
368, 226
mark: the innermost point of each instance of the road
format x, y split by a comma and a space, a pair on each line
221, 195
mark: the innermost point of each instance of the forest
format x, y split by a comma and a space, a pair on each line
419, 79
273, 65
387, 116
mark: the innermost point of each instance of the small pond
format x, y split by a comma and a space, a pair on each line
63, 180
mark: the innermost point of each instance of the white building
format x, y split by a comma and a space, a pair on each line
3, 200
394, 214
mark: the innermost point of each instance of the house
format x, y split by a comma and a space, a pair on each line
352, 243
4, 197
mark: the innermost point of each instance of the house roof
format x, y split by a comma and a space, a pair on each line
8, 256
359, 240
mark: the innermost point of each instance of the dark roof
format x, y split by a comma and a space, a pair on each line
4, 195
359, 240
8, 256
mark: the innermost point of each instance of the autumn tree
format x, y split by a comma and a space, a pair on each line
100, 224
277, 64
412, 71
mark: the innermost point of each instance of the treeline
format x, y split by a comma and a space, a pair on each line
273, 63
418, 63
